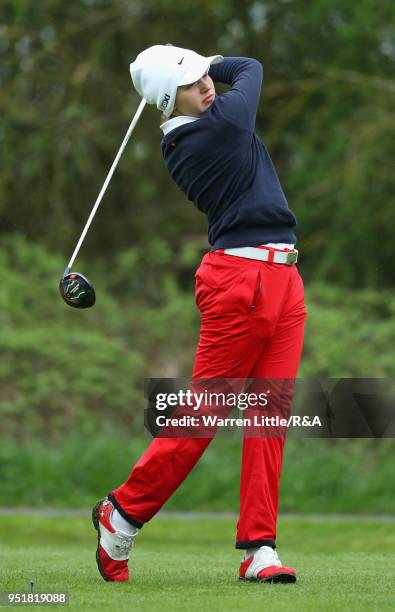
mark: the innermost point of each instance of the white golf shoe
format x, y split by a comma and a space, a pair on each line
263, 565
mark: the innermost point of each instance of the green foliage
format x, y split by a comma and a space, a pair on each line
71, 383
319, 476
338, 476
349, 333
326, 113
64, 370
70, 473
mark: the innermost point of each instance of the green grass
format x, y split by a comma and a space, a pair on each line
192, 565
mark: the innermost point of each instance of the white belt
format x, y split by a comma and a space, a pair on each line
282, 257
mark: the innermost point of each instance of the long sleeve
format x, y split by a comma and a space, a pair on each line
223, 167
239, 104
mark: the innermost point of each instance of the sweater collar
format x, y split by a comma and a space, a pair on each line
175, 122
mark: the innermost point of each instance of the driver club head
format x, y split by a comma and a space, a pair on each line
76, 290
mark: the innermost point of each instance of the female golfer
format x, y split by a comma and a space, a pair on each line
248, 290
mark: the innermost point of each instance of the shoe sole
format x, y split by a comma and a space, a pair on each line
279, 578
95, 521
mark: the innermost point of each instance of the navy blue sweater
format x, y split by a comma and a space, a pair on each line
225, 169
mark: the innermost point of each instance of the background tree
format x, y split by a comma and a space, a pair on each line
326, 113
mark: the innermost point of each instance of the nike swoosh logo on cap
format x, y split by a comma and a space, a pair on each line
179, 63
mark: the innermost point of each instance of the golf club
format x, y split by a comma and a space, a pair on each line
76, 289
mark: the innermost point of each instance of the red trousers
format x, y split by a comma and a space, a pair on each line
252, 325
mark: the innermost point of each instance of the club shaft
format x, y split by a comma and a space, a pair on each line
105, 184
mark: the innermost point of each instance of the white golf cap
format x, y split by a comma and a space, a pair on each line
159, 70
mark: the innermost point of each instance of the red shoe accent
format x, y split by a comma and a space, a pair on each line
244, 565
112, 571
273, 573
104, 513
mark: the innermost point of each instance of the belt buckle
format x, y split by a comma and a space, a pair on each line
292, 257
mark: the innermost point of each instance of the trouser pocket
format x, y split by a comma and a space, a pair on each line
227, 289
257, 292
